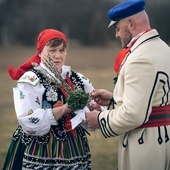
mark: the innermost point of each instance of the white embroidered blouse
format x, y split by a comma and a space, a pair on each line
28, 94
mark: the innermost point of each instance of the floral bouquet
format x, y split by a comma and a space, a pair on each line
77, 99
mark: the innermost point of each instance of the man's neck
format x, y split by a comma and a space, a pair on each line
134, 39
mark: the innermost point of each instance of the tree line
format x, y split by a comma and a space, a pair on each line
84, 21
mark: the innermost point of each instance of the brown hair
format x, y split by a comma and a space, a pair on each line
56, 42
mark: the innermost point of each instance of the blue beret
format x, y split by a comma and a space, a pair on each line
125, 9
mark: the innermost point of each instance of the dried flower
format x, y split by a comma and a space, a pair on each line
77, 98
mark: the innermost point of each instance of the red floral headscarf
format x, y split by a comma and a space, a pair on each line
44, 37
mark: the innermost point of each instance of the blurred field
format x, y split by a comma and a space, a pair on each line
94, 62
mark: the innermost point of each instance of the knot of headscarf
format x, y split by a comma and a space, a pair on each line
44, 37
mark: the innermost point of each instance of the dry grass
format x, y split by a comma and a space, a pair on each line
93, 62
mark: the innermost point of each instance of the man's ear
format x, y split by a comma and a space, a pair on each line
131, 24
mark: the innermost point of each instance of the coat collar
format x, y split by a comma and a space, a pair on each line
145, 37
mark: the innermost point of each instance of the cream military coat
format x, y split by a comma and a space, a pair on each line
143, 82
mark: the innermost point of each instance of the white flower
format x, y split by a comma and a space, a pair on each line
51, 95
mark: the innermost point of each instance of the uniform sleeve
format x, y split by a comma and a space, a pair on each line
135, 90
28, 106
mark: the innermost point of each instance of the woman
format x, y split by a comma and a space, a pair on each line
45, 138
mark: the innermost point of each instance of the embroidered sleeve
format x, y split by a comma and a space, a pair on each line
80, 114
87, 84
30, 78
28, 106
88, 87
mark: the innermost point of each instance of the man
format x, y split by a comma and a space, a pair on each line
141, 114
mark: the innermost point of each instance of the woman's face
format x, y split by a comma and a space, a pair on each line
58, 54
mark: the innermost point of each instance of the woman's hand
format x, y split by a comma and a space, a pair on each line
95, 106
101, 96
58, 112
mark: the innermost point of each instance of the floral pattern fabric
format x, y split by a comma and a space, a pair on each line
43, 141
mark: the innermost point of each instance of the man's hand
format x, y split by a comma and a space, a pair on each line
101, 96
91, 118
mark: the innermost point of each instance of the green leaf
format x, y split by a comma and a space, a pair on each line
77, 99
